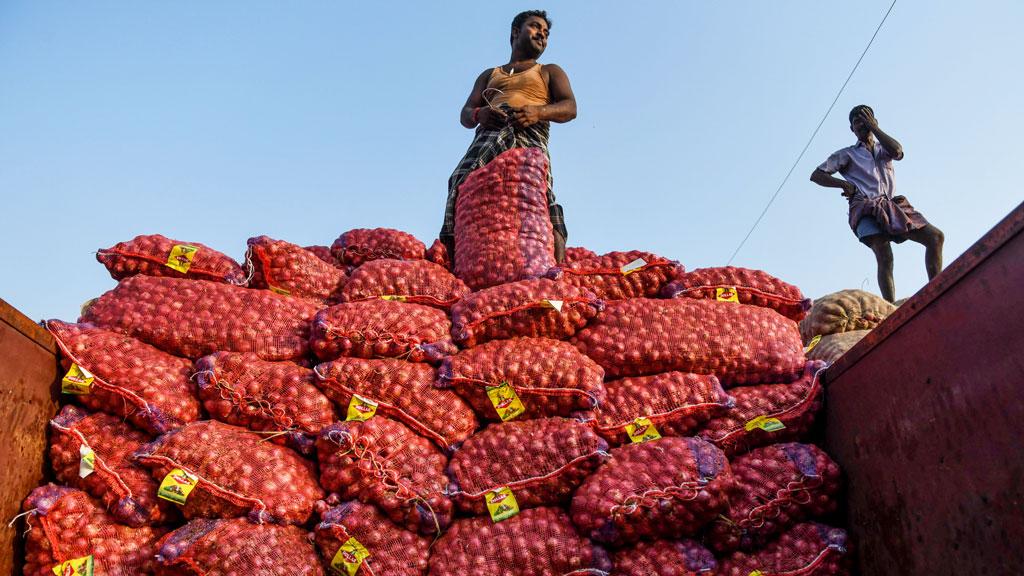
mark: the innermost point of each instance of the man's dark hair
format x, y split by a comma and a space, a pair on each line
520, 18
858, 108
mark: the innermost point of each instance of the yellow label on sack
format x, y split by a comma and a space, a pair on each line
633, 266
764, 423
78, 380
349, 557
556, 304
394, 298
642, 430
810, 345
87, 463
77, 567
181, 256
756, 573
360, 409
177, 486
727, 295
280, 291
86, 305
501, 504
505, 401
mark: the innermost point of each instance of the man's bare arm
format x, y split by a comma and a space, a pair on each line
563, 102
492, 119
822, 178
888, 142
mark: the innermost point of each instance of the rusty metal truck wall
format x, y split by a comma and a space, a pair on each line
28, 399
926, 417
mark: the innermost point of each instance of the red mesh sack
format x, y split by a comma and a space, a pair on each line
619, 275
382, 329
577, 253
536, 542
193, 318
92, 452
665, 558
549, 377
767, 413
438, 254
324, 253
540, 461
401, 390
66, 525
674, 403
156, 255
275, 397
778, 486
381, 461
743, 285
205, 547
291, 270
668, 488
364, 244
503, 227
234, 473
807, 549
131, 379
537, 308
740, 344
393, 551
415, 281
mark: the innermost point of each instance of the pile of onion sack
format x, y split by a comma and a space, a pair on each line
380, 407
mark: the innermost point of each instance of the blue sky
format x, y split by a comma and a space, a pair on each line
214, 122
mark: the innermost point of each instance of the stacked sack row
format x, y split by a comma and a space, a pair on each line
360, 409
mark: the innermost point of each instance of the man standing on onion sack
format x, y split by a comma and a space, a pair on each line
512, 106
876, 216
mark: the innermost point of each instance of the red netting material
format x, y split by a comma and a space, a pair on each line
291, 270
524, 308
665, 558
778, 486
550, 377
438, 254
364, 244
149, 255
503, 229
751, 287
193, 318
537, 542
238, 474
541, 461
324, 253
793, 405
205, 547
132, 380
276, 397
808, 549
738, 343
382, 329
65, 524
415, 281
619, 275
124, 487
663, 488
403, 391
381, 461
577, 253
676, 403
393, 551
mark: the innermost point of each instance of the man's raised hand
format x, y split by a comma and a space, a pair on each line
868, 119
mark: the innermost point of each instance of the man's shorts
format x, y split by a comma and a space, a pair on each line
868, 226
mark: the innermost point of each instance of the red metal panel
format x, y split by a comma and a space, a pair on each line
926, 417
28, 399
